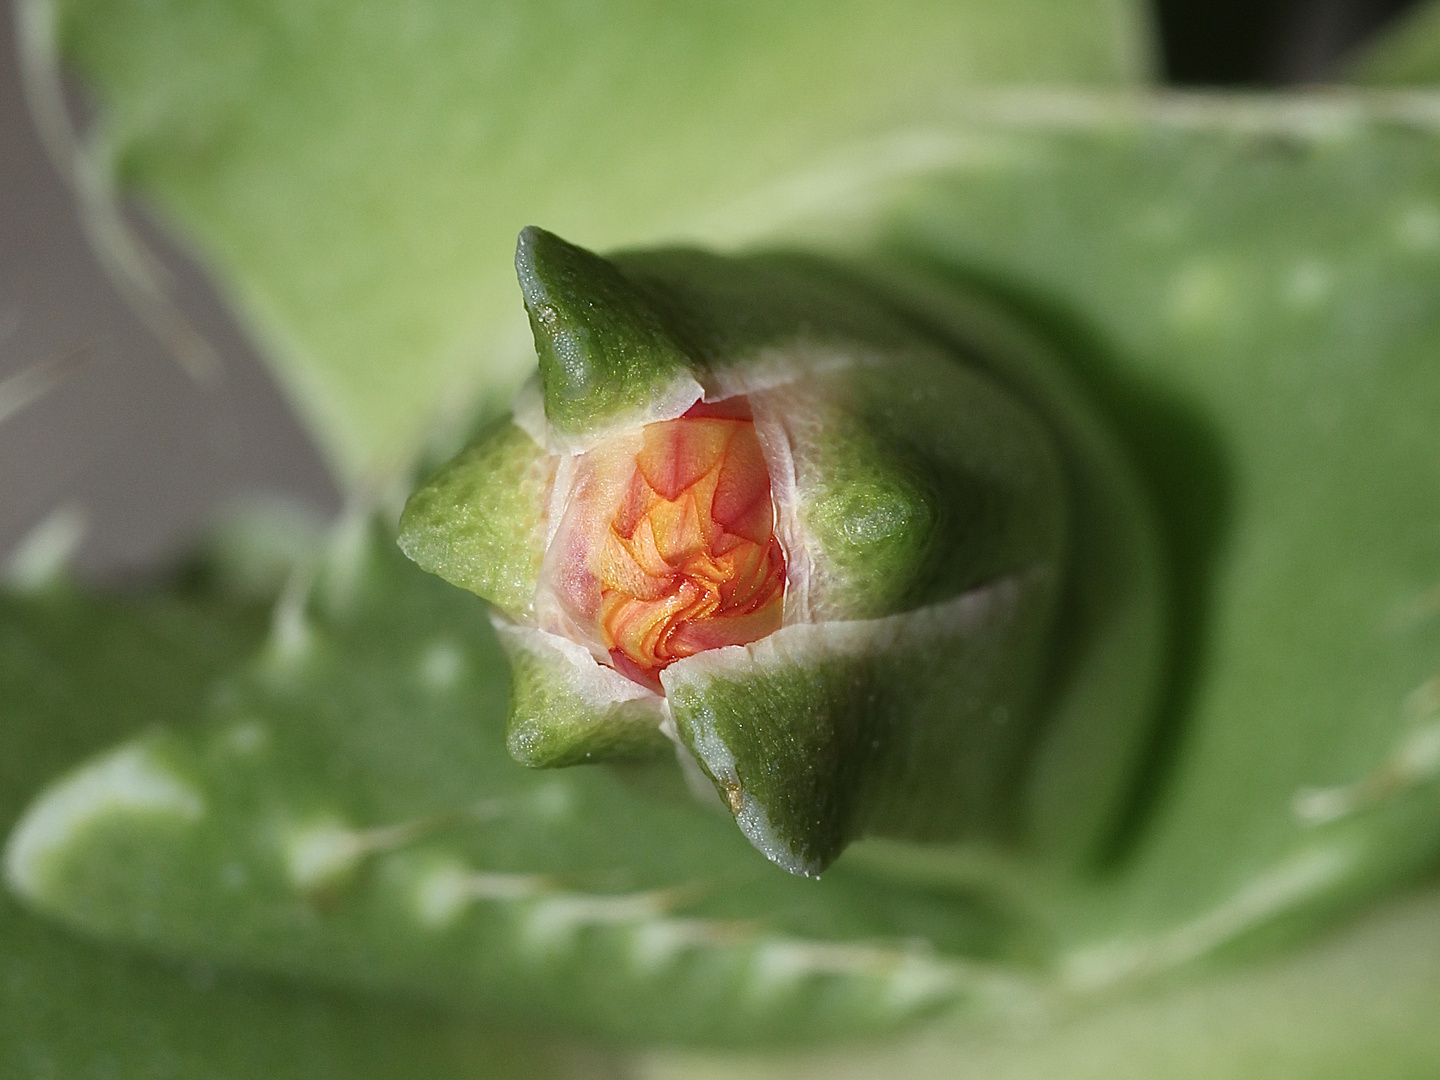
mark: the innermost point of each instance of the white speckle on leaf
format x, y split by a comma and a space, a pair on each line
1417, 228
445, 892
129, 782
325, 851
551, 801
291, 636
321, 853
1418, 757
918, 983
1317, 806
554, 920
245, 738
656, 943
1201, 296
1307, 284
779, 966
441, 665
1423, 703
907, 980
441, 896
1415, 759
347, 551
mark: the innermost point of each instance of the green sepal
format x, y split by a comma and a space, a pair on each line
912, 726
606, 357
479, 522
1113, 633
565, 709
915, 481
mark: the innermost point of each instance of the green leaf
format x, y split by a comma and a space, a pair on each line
345, 812
75, 674
479, 522
355, 173
1246, 288
1360, 1002
564, 712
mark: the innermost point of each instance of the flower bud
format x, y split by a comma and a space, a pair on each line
751, 506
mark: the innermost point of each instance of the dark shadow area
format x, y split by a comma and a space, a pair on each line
1183, 468
1265, 42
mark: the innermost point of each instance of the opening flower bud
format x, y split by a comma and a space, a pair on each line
751, 507
669, 549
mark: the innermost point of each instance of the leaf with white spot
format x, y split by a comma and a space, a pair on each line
77, 674
1246, 288
344, 811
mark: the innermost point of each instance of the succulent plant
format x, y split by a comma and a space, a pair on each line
756, 506
1183, 538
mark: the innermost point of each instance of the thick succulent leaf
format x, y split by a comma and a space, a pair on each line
75, 675
1248, 289
356, 173
1407, 53
1360, 1002
345, 812
1247, 286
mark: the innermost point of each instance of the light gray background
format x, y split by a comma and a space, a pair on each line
142, 449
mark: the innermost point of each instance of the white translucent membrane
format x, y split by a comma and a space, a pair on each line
588, 491
596, 685
528, 413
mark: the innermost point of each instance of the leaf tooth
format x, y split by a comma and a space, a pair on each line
445, 892
323, 853
130, 781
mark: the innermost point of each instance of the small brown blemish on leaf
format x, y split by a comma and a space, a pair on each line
734, 795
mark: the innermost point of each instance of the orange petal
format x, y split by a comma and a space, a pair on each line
688, 560
742, 492
677, 453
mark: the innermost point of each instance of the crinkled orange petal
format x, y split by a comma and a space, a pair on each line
689, 560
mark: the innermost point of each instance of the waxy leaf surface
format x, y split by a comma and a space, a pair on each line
75, 675
356, 172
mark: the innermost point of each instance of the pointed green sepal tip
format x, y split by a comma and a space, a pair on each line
479, 522
909, 726
565, 709
606, 355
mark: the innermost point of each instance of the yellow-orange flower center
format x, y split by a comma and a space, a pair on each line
689, 560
